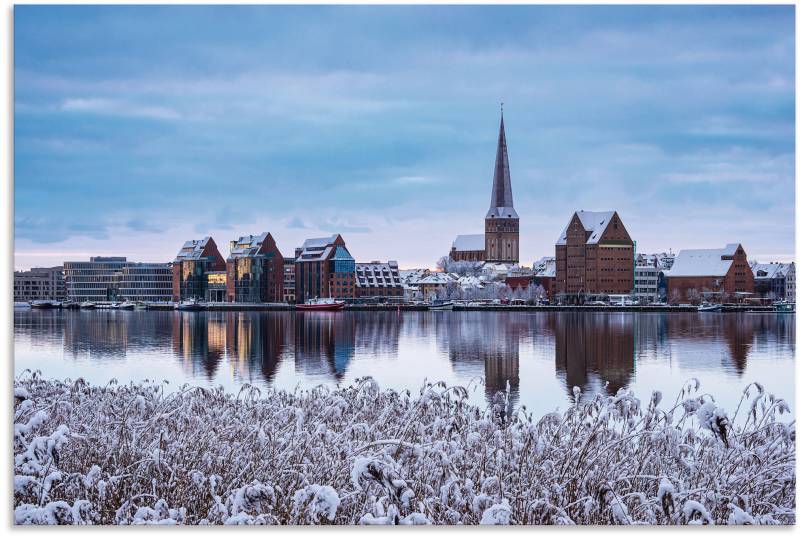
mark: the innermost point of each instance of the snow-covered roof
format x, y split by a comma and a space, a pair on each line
770, 270
436, 278
470, 281
593, 222
469, 242
377, 274
545, 267
247, 246
703, 262
314, 249
192, 249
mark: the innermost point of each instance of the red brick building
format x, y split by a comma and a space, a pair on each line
468, 248
191, 266
594, 258
710, 274
254, 270
323, 268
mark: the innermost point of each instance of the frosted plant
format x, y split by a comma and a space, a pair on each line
136, 454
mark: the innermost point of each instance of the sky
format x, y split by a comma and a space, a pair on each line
138, 128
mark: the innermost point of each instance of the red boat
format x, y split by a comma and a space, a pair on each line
320, 304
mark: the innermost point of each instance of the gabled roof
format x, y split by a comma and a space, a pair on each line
248, 246
469, 242
315, 249
593, 222
703, 262
502, 204
192, 249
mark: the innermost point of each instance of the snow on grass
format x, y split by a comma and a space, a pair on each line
135, 454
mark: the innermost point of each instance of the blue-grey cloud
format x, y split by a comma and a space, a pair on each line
341, 117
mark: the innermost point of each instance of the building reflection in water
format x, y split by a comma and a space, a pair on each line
198, 340
484, 345
324, 343
256, 343
592, 349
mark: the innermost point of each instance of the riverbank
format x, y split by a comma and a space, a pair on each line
226, 306
125, 454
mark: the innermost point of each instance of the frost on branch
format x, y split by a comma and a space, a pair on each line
134, 454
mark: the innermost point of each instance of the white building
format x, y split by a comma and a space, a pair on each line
645, 283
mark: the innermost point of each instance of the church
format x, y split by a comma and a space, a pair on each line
500, 241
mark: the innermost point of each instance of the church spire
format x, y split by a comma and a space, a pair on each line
501, 185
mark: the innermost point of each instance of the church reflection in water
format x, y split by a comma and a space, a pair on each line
596, 352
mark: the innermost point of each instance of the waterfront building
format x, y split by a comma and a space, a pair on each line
544, 274
191, 266
117, 279
500, 241
645, 282
324, 268
437, 286
145, 281
594, 258
255, 270
217, 286
378, 281
469, 248
710, 274
774, 280
288, 280
39, 284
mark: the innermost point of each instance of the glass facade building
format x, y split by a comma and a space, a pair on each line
104, 279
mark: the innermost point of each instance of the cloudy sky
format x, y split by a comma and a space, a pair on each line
136, 128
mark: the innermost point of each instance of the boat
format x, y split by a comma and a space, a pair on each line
70, 305
189, 305
45, 304
441, 306
126, 306
709, 307
320, 304
22, 305
88, 305
783, 307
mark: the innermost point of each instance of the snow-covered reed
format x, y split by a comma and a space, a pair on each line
127, 454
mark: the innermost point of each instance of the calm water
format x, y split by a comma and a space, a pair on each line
541, 354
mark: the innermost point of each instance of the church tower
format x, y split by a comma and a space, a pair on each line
502, 222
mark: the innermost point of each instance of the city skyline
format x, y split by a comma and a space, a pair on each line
309, 121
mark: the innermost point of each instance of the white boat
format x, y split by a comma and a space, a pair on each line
88, 305
189, 305
127, 306
22, 305
441, 306
709, 308
320, 304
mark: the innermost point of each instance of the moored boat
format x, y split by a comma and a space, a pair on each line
320, 304
88, 305
441, 306
22, 305
189, 305
46, 304
783, 307
709, 307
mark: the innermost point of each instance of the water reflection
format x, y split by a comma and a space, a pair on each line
529, 353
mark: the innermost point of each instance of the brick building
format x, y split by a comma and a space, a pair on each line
255, 270
378, 281
500, 241
323, 268
191, 266
288, 279
468, 248
710, 274
594, 258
